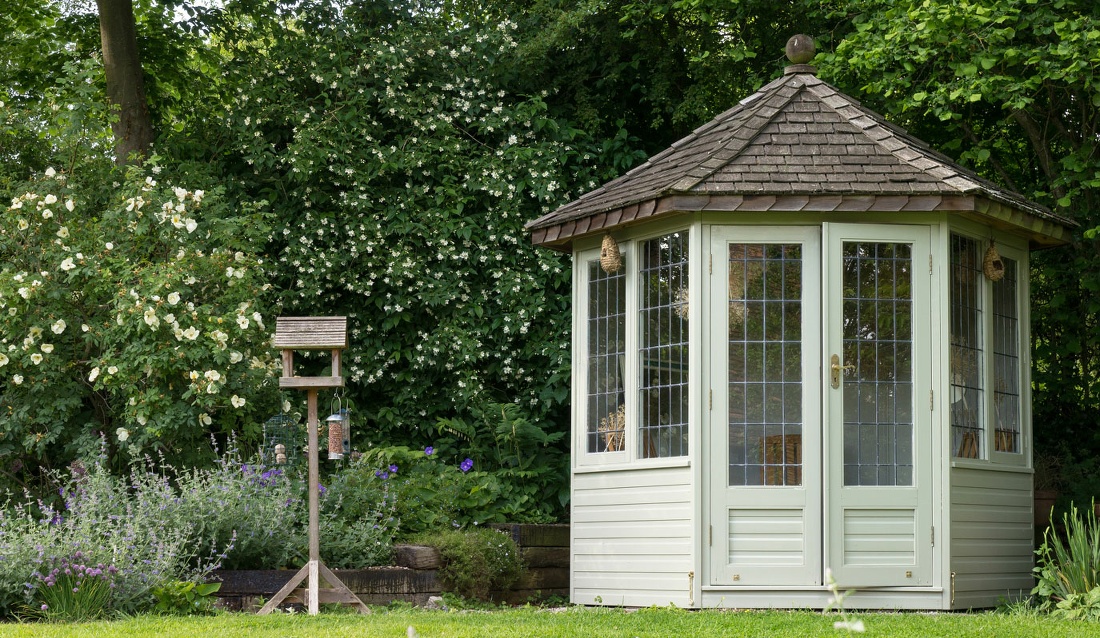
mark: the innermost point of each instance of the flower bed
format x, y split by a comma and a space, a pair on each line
414, 578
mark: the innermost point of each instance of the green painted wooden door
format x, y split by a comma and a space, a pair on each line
877, 399
765, 406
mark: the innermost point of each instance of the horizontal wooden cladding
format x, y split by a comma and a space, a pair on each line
311, 333
632, 536
643, 598
1042, 231
992, 540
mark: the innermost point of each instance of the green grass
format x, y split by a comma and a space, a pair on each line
572, 621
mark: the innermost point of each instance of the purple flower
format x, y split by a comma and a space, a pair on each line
466, 465
393, 469
428, 451
322, 489
381, 474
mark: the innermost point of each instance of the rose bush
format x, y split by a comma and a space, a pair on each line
136, 313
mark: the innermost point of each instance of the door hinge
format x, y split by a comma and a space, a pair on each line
929, 264
931, 400
710, 400
710, 534
933, 536
710, 265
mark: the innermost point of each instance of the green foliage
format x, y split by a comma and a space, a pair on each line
476, 562
134, 314
500, 468
654, 70
358, 526
1068, 569
523, 467
401, 164
185, 598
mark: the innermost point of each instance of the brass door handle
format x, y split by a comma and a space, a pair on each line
835, 369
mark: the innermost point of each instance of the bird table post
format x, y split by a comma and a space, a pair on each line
312, 333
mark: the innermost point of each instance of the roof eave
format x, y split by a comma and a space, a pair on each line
1041, 230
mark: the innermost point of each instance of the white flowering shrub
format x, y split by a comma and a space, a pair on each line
133, 312
402, 168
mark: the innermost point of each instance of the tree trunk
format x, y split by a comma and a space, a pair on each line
132, 128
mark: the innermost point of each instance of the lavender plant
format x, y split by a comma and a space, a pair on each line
150, 529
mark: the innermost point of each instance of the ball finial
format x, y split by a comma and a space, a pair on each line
800, 49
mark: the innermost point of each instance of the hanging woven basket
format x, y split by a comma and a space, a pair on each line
611, 260
992, 265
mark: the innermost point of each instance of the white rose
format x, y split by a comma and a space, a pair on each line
238, 402
59, 326
3, 359
50, 199
36, 358
47, 348
173, 298
94, 374
122, 434
113, 370
151, 318
191, 225
235, 357
67, 264
17, 379
50, 172
191, 333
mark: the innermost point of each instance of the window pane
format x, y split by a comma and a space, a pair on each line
606, 345
663, 382
1006, 362
967, 423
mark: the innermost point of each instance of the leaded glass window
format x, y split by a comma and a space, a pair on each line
663, 353
966, 397
606, 418
1006, 361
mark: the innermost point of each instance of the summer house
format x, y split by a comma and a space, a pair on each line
800, 345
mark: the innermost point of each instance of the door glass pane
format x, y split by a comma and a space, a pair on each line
877, 312
765, 364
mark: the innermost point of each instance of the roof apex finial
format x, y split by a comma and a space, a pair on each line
800, 50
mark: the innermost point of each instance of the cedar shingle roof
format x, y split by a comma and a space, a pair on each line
797, 144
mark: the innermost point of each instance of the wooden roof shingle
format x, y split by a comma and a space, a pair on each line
796, 144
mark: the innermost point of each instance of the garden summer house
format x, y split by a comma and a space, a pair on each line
800, 340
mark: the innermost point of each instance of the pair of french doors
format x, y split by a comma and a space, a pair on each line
820, 442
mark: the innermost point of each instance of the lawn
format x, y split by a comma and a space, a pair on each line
572, 621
